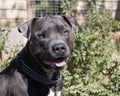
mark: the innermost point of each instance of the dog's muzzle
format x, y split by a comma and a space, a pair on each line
56, 57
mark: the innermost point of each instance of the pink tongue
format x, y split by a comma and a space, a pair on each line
61, 64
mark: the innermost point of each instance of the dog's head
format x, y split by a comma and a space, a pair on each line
50, 39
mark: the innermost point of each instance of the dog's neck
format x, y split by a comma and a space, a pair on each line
52, 73
30, 73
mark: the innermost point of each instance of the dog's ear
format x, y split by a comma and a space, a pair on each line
25, 28
71, 21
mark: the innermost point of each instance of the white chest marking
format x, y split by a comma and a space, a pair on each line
52, 93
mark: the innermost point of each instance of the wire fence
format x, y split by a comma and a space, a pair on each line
38, 8
47, 7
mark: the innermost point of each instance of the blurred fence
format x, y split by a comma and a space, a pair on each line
16, 12
47, 7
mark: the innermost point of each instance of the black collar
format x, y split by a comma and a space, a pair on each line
34, 75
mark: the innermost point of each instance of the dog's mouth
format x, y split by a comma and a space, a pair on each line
59, 62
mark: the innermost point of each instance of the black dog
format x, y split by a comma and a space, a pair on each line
36, 69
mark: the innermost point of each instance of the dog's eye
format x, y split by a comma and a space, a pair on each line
66, 32
41, 36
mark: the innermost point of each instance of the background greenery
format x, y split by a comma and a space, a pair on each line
92, 69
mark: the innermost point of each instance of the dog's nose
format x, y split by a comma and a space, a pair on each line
59, 49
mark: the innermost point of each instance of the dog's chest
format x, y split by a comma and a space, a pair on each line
52, 93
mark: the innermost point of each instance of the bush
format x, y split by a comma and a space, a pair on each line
91, 69
2, 43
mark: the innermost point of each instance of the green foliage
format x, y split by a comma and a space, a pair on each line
2, 41
67, 7
91, 69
